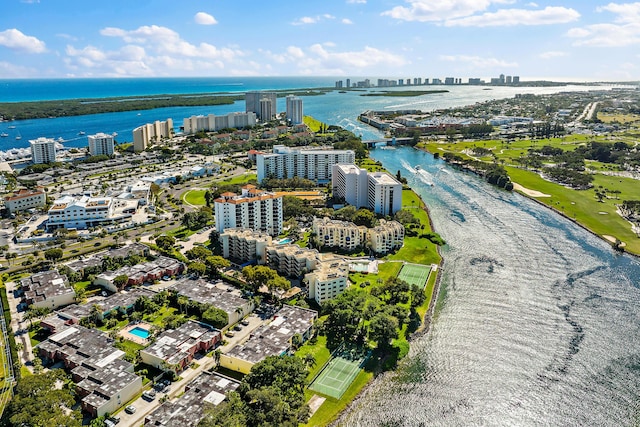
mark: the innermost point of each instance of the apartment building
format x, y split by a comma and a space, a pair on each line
339, 234
309, 163
253, 104
101, 144
291, 260
386, 236
43, 150
377, 191
243, 244
328, 280
212, 123
145, 135
24, 199
48, 289
255, 209
294, 110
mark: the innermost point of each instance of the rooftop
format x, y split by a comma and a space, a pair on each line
173, 345
217, 294
383, 178
47, 284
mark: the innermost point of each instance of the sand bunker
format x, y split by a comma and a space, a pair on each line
528, 192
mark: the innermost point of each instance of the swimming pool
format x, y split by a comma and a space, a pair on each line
285, 241
139, 332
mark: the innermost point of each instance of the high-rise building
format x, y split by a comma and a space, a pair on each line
254, 209
509, 80
43, 150
449, 80
149, 133
516, 80
377, 191
348, 85
252, 103
267, 109
338, 84
100, 144
294, 110
212, 122
288, 162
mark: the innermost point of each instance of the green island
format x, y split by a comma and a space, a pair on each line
86, 106
405, 93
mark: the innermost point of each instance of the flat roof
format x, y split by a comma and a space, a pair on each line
216, 293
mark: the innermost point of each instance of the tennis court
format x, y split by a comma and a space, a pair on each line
337, 376
415, 274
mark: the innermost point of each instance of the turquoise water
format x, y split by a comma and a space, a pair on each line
140, 332
333, 108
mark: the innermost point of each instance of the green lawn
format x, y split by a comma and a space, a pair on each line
194, 197
319, 351
249, 178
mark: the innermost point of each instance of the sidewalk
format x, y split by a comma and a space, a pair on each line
20, 327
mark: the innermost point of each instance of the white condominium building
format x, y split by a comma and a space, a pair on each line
214, 123
339, 234
253, 104
149, 133
244, 244
254, 209
383, 192
386, 236
327, 281
294, 109
289, 162
100, 144
43, 150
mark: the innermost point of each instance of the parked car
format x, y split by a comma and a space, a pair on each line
113, 420
244, 322
149, 395
130, 409
229, 334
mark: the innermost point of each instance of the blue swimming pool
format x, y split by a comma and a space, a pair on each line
139, 332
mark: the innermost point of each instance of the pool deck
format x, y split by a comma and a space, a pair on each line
131, 337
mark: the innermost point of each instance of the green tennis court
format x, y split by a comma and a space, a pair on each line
415, 274
337, 376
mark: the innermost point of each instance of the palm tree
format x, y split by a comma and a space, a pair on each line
309, 360
182, 301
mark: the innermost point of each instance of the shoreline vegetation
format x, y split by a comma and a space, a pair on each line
405, 93
11, 111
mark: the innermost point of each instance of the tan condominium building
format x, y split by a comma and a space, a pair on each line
212, 122
244, 244
386, 236
255, 209
291, 260
339, 234
147, 134
328, 280
24, 199
309, 163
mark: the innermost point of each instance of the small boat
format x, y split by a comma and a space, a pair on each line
12, 127
60, 139
4, 135
19, 137
82, 132
418, 167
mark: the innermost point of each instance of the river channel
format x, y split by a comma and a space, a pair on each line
539, 323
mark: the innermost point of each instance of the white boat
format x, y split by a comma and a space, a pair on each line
19, 137
12, 127
81, 132
4, 135
60, 139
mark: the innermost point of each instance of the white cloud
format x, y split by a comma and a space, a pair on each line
624, 31
306, 20
203, 18
347, 21
357, 1
9, 70
552, 54
478, 61
440, 10
67, 36
16, 40
321, 59
512, 17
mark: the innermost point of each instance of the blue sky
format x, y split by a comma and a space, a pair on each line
558, 39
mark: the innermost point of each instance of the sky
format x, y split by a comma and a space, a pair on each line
564, 40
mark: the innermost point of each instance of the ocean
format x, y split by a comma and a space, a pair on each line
333, 108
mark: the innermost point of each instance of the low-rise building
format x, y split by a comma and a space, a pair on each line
274, 339
339, 234
24, 199
140, 273
48, 289
85, 212
328, 280
243, 244
103, 379
217, 294
386, 236
176, 348
208, 388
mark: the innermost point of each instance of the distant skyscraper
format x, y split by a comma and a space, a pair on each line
509, 79
294, 109
267, 109
502, 79
252, 102
43, 150
348, 83
516, 79
338, 84
100, 144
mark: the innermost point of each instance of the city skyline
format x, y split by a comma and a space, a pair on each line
561, 40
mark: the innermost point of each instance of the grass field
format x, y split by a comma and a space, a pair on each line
194, 197
415, 274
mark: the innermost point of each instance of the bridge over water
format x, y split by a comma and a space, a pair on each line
371, 143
